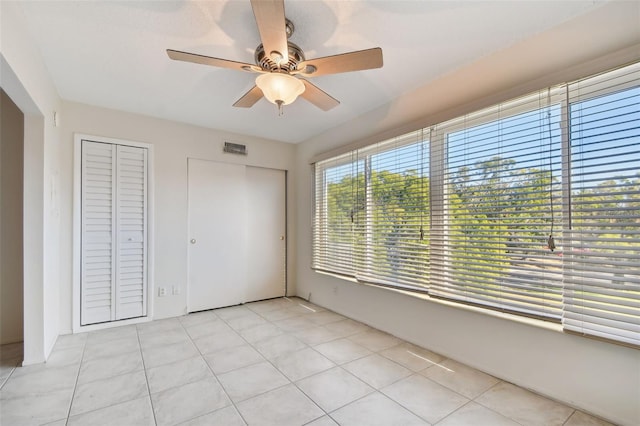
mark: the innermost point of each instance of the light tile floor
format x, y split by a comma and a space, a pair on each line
277, 362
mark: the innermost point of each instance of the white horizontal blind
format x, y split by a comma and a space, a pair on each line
339, 213
602, 258
98, 238
396, 230
132, 215
500, 202
533, 208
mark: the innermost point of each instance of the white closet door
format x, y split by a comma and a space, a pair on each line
266, 233
237, 223
114, 218
217, 212
132, 218
98, 238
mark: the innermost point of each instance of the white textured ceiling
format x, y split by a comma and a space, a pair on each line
112, 53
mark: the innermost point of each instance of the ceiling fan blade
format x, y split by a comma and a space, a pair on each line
208, 60
272, 26
250, 98
346, 62
318, 97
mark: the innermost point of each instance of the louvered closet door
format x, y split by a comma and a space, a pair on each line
131, 225
113, 281
98, 214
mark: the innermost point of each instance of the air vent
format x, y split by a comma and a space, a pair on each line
235, 148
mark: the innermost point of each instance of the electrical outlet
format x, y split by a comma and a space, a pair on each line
162, 291
175, 290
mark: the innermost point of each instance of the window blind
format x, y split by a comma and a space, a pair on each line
396, 228
339, 210
602, 259
531, 206
500, 201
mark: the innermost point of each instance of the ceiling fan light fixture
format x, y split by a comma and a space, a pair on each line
279, 88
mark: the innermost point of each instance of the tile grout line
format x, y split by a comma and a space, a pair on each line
412, 373
17, 361
146, 378
291, 382
75, 385
453, 412
6, 379
105, 378
372, 352
202, 356
265, 358
568, 418
336, 365
328, 413
533, 393
491, 409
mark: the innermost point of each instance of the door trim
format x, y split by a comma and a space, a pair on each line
77, 232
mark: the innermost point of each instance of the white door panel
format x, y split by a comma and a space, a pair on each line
131, 291
98, 221
266, 237
237, 224
216, 230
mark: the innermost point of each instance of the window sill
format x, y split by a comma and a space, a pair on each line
423, 296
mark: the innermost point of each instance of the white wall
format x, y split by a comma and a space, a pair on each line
173, 143
11, 165
24, 77
598, 377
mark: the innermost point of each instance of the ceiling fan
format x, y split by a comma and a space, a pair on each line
282, 64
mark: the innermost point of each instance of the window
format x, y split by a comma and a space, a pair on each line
531, 207
372, 213
339, 189
501, 200
602, 265
396, 228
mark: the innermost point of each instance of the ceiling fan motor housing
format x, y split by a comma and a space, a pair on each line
264, 61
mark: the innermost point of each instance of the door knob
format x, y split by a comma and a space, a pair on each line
193, 241
281, 237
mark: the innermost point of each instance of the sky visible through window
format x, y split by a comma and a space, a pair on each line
605, 130
533, 137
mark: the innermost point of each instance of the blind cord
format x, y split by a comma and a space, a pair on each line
422, 197
551, 244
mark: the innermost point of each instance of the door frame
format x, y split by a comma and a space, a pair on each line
77, 232
286, 225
